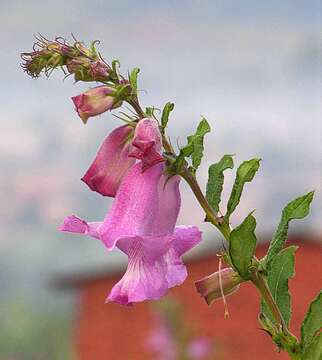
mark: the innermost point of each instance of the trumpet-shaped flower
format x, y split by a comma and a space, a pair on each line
141, 223
111, 163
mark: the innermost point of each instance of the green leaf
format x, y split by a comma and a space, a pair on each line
216, 180
196, 141
134, 79
296, 209
314, 351
245, 173
168, 107
312, 322
242, 244
282, 269
193, 149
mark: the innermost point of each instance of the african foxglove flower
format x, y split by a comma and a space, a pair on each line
141, 223
95, 101
117, 154
111, 162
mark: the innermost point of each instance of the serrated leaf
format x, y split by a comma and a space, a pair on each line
314, 350
216, 180
282, 269
296, 209
194, 147
168, 107
245, 173
242, 244
312, 322
134, 79
197, 154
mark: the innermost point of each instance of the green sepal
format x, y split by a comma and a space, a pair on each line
312, 323
242, 245
216, 180
114, 73
296, 209
245, 173
149, 111
133, 78
92, 49
168, 107
281, 270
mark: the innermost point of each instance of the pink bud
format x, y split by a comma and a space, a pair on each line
95, 101
209, 286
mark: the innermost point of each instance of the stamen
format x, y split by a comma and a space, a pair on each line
226, 314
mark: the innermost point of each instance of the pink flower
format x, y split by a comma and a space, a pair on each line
95, 101
200, 348
141, 223
209, 286
162, 342
117, 155
111, 162
147, 143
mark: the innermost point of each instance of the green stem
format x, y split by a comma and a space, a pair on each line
289, 341
191, 180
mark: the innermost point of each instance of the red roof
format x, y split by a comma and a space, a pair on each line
110, 331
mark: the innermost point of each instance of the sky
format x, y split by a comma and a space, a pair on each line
251, 68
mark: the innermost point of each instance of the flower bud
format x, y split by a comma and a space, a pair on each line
47, 55
95, 101
86, 70
209, 286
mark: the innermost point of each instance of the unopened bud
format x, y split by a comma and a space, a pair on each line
95, 102
47, 55
86, 70
214, 286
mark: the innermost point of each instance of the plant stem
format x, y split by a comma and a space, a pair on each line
289, 341
191, 180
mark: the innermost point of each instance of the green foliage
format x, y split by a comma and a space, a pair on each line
168, 107
193, 149
242, 244
34, 333
296, 209
195, 143
312, 322
314, 351
281, 270
216, 180
245, 173
134, 79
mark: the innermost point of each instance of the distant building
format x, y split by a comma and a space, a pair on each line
114, 332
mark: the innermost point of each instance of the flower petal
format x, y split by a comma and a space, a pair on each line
74, 224
147, 143
145, 275
185, 238
145, 205
111, 163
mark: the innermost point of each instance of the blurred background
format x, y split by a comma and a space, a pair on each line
252, 68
